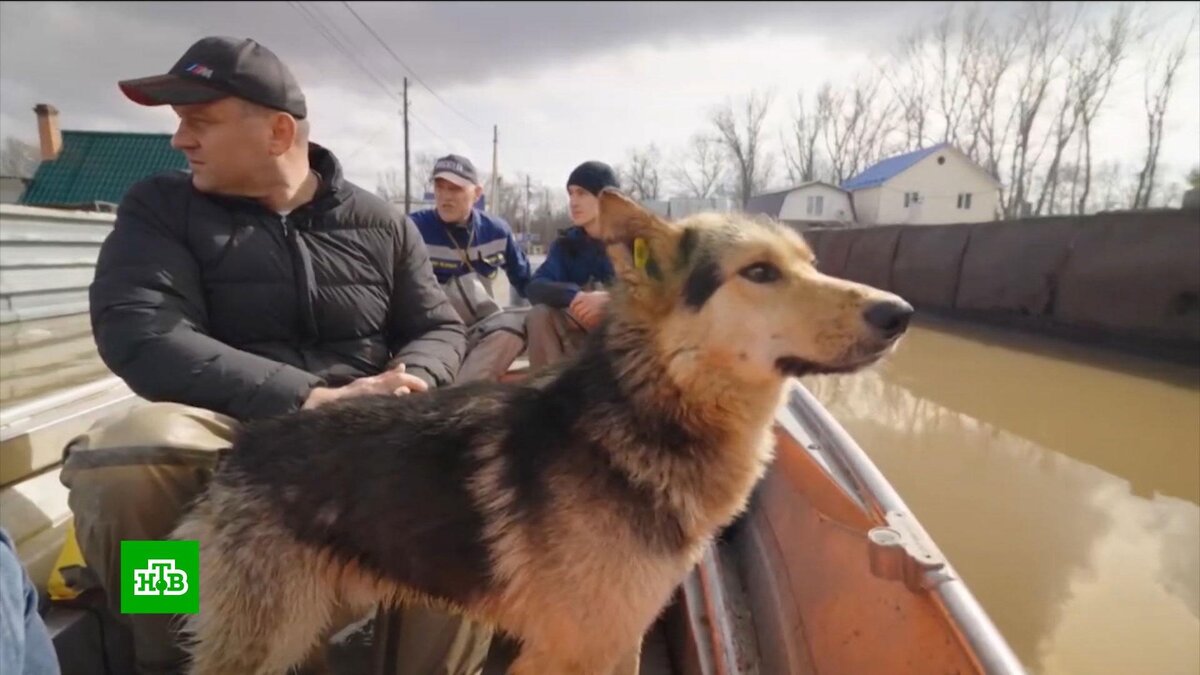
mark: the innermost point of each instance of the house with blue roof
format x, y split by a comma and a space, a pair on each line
938, 185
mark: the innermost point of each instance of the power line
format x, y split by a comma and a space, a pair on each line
406, 66
319, 25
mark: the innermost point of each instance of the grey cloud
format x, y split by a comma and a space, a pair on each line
72, 54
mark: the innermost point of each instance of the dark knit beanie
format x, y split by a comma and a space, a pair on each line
593, 177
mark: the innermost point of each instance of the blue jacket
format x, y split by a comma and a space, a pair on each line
575, 260
487, 240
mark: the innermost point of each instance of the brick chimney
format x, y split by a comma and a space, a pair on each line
48, 131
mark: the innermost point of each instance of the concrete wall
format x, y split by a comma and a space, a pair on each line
938, 186
835, 204
1127, 279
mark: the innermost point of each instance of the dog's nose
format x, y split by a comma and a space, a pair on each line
889, 317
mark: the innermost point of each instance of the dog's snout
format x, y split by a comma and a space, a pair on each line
889, 317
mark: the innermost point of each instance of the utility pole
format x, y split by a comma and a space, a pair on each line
407, 198
492, 195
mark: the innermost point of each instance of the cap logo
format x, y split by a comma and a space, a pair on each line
451, 165
200, 70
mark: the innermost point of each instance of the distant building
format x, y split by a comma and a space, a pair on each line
92, 170
812, 204
931, 186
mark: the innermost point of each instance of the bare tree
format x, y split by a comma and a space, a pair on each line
960, 49
1099, 67
699, 171
641, 174
18, 158
1065, 124
1160, 81
859, 125
390, 183
1108, 179
742, 136
1045, 38
999, 55
910, 80
800, 151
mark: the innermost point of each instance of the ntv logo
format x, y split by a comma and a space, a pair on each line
160, 577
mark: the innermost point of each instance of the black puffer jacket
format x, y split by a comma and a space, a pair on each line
220, 303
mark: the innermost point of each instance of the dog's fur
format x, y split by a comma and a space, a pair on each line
565, 509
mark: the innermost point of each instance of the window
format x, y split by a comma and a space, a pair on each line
912, 198
964, 200
819, 202
809, 204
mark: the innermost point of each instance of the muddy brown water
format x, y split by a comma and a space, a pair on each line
1062, 482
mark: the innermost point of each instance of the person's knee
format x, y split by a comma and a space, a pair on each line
158, 425
540, 321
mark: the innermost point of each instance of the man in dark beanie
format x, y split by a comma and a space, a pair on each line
567, 291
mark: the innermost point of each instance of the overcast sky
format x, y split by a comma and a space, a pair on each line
565, 82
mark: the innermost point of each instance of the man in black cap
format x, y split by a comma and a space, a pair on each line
259, 283
567, 291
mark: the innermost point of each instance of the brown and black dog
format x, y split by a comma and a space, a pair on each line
564, 509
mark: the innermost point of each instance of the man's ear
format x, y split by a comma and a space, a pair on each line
638, 241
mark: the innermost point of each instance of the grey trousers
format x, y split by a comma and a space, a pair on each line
553, 335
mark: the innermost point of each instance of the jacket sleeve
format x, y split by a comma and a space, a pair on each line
427, 335
549, 285
150, 322
516, 265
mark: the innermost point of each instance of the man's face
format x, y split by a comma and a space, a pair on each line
585, 207
227, 143
454, 201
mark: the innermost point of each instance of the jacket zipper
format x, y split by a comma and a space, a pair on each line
305, 285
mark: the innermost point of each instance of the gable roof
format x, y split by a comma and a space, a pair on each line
771, 203
99, 166
883, 171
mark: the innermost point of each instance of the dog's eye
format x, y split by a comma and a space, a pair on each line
761, 273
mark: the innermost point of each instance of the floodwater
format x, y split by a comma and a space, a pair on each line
1063, 484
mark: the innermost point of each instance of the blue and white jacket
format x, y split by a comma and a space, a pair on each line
487, 240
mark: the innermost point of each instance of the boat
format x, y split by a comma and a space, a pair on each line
828, 571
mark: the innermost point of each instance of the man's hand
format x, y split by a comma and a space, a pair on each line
394, 382
588, 308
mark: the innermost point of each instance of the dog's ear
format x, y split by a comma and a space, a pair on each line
636, 238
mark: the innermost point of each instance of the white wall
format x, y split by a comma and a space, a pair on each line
866, 205
939, 186
835, 204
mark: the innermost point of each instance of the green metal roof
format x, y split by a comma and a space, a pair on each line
99, 166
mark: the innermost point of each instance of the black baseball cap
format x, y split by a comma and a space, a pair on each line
456, 169
216, 67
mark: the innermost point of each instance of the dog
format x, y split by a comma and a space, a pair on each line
564, 509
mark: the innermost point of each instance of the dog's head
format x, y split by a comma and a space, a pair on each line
742, 295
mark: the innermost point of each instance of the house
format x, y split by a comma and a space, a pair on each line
811, 204
91, 170
932, 186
